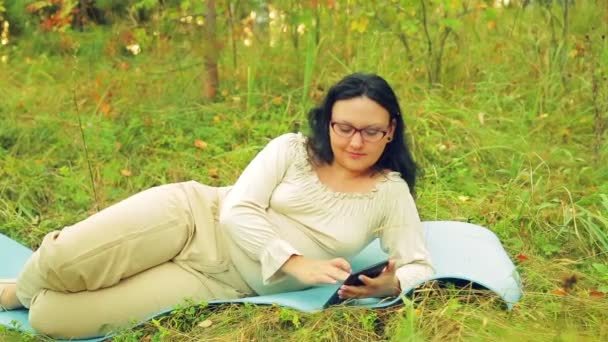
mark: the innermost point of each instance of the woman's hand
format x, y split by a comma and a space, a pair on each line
384, 285
312, 271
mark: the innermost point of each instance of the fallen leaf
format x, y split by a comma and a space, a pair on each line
559, 292
213, 173
105, 109
126, 172
277, 100
521, 257
81, 103
596, 293
491, 24
123, 66
205, 324
481, 117
463, 198
200, 144
217, 119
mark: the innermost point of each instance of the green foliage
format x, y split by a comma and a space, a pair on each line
186, 315
290, 317
503, 142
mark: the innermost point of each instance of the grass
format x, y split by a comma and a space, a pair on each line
503, 143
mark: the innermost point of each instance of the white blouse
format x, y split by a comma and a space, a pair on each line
278, 207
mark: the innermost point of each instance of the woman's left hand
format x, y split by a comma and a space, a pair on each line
384, 285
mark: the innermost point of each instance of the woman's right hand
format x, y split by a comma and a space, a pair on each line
313, 272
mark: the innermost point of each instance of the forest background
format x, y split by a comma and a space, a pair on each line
506, 103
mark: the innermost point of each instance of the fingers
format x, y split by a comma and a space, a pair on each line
325, 279
342, 264
339, 269
348, 292
337, 273
332, 271
391, 267
367, 281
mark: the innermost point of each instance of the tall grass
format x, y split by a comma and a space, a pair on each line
503, 143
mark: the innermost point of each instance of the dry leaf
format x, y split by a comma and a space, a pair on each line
463, 198
521, 257
559, 292
126, 172
596, 293
277, 100
205, 324
481, 117
200, 144
82, 102
213, 173
105, 108
123, 66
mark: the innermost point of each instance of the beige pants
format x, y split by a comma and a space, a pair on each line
143, 255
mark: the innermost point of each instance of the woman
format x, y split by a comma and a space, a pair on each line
298, 210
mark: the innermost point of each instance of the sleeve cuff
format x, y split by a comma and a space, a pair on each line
412, 275
274, 255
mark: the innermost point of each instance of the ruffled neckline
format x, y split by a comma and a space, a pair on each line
303, 164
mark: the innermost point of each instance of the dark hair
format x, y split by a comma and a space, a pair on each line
396, 155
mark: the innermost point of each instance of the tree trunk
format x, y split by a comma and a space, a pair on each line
211, 76
231, 14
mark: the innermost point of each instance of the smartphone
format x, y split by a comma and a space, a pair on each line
353, 280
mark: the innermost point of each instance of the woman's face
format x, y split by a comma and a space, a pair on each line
359, 130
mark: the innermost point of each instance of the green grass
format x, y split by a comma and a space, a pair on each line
503, 143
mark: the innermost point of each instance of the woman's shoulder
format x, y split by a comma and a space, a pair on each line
296, 142
394, 185
290, 145
392, 177
289, 139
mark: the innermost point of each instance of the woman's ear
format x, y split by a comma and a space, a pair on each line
391, 128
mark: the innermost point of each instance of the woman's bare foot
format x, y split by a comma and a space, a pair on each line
8, 295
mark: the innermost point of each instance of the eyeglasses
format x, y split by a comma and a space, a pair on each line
368, 134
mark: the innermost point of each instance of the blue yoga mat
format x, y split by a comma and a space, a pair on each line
459, 250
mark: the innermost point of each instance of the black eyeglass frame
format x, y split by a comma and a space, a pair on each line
356, 130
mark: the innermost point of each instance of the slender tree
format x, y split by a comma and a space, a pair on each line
211, 76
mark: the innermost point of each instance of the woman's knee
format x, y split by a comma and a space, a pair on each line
53, 317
